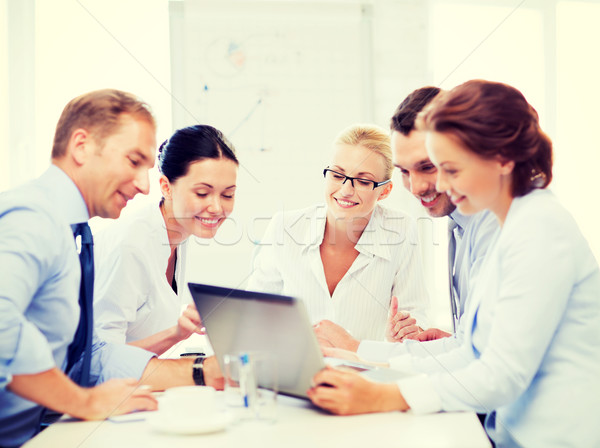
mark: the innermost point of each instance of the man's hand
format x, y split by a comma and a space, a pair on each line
431, 334
116, 397
54, 390
212, 373
347, 393
332, 335
400, 325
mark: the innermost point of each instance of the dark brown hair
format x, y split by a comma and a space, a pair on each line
406, 113
98, 112
494, 120
192, 144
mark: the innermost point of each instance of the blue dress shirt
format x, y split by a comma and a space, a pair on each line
39, 290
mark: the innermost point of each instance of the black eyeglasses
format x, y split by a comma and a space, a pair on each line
361, 184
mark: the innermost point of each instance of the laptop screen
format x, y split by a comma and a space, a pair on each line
241, 321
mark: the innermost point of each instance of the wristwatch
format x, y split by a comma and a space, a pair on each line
198, 371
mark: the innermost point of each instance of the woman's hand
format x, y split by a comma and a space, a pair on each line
347, 393
400, 324
189, 322
332, 335
339, 353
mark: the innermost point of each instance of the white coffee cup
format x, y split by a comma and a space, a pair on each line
188, 402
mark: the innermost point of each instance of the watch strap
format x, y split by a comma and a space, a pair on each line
198, 371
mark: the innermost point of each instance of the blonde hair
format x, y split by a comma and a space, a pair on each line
371, 137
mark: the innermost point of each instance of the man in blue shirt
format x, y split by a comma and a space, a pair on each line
103, 147
472, 233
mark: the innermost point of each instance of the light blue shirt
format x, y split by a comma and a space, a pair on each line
39, 293
531, 353
473, 236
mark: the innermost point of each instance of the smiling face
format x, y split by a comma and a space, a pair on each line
472, 182
116, 169
343, 200
200, 201
419, 174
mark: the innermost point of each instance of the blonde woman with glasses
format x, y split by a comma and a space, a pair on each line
348, 257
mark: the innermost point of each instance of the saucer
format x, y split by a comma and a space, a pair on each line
190, 426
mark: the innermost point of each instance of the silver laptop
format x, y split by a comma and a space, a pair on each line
239, 321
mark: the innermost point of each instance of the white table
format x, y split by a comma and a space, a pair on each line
298, 425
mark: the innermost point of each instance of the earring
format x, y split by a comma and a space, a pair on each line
538, 180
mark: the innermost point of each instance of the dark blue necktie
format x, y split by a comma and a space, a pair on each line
82, 343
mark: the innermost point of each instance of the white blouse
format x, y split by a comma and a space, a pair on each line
288, 262
132, 297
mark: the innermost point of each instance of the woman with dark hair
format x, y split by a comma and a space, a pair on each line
136, 298
530, 358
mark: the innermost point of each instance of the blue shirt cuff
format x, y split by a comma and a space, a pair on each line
115, 361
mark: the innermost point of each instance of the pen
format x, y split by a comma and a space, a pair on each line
247, 381
244, 377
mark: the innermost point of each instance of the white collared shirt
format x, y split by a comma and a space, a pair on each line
288, 261
132, 297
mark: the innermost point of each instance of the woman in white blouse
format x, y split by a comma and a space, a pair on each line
139, 259
347, 258
530, 358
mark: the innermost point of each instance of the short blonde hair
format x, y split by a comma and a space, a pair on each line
371, 137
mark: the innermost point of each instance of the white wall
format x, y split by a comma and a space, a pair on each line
546, 48
4, 165
79, 46
541, 47
317, 67
577, 146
